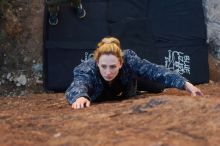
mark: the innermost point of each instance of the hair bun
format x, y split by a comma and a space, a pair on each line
110, 40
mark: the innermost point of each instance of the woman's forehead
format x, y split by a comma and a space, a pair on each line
108, 59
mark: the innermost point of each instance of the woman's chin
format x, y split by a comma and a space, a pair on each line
108, 79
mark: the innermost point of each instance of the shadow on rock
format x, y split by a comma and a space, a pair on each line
151, 104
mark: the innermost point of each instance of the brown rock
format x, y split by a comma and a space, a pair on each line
171, 118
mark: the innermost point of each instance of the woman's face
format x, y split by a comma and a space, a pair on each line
109, 66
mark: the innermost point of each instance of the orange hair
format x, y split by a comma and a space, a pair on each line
109, 45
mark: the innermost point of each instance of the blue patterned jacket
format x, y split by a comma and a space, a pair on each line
87, 79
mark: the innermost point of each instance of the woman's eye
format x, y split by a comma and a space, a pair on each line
113, 66
104, 66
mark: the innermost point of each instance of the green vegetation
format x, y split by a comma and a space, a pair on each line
4, 4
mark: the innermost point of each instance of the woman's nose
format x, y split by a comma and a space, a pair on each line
108, 71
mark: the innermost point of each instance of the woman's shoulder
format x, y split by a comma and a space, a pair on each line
87, 65
128, 52
129, 55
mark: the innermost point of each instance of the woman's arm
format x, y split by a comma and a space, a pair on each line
82, 85
158, 73
145, 69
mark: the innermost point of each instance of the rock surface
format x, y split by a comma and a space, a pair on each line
21, 45
212, 13
171, 118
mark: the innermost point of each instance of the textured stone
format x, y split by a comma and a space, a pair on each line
171, 118
212, 13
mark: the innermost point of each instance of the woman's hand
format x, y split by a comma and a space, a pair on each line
194, 91
81, 102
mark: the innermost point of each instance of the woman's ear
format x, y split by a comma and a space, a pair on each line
97, 64
121, 64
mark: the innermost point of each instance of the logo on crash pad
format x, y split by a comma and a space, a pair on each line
87, 55
178, 61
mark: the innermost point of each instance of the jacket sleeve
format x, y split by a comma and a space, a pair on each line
159, 73
82, 84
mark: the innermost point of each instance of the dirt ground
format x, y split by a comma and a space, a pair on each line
171, 118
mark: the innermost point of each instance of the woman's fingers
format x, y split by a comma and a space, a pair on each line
193, 92
88, 103
81, 103
78, 105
